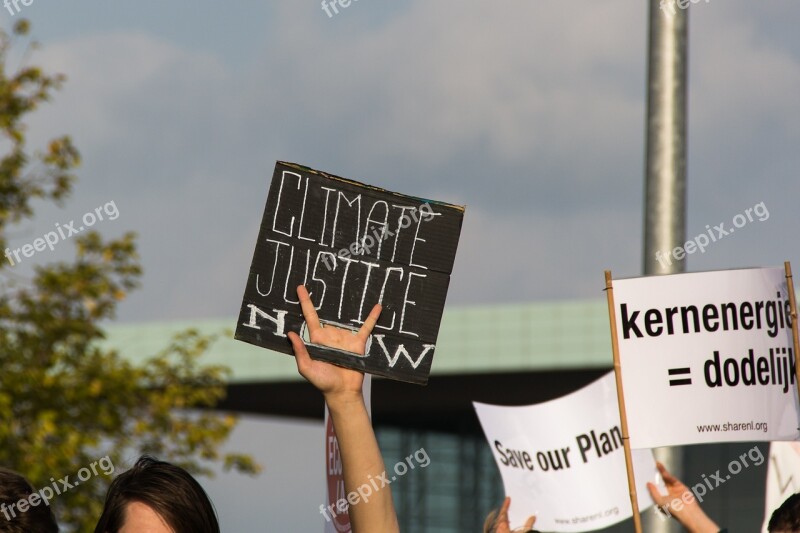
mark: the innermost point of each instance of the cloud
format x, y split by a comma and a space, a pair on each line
530, 113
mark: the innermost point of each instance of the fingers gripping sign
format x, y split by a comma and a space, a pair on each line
325, 376
499, 523
341, 338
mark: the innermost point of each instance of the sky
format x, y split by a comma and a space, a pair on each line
530, 113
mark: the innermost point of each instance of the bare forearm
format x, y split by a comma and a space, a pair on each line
700, 524
361, 458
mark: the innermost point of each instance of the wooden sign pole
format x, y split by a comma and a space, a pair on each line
793, 308
612, 315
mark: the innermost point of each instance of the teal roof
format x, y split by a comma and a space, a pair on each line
557, 335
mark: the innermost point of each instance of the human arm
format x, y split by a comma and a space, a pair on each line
341, 388
497, 521
680, 503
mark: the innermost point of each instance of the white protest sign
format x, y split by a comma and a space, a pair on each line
337, 517
783, 476
707, 357
563, 460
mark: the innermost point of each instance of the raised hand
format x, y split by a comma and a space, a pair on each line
361, 457
680, 503
499, 523
327, 377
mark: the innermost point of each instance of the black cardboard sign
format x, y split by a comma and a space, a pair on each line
352, 245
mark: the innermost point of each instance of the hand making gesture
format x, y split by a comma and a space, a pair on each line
361, 457
328, 378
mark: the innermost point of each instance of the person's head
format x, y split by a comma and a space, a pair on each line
159, 497
786, 518
22, 509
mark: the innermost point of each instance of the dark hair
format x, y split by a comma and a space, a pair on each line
786, 518
168, 490
38, 518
